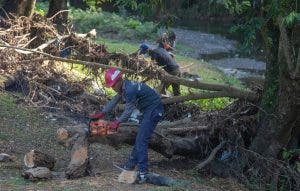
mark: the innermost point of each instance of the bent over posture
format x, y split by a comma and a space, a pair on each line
136, 95
164, 59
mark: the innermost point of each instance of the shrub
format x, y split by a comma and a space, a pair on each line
105, 22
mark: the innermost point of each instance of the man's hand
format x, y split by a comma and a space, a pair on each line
97, 116
114, 125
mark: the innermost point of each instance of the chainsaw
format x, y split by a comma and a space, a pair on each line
99, 128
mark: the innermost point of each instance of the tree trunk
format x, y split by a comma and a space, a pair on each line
79, 4
25, 7
280, 116
38, 159
18, 7
57, 10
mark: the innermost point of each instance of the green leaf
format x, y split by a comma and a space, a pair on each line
290, 19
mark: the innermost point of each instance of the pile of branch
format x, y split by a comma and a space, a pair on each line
40, 42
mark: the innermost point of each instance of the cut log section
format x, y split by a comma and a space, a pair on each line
5, 157
38, 159
38, 173
127, 177
78, 165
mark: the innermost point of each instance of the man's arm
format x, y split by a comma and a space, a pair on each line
129, 107
111, 104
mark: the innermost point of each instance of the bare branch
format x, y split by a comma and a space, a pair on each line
211, 156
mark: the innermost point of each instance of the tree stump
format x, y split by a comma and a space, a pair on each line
38, 173
78, 165
38, 159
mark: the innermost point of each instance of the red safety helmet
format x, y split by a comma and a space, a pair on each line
112, 75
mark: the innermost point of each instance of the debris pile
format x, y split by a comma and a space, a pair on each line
218, 136
42, 82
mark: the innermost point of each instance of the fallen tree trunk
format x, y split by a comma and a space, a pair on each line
38, 159
168, 147
126, 61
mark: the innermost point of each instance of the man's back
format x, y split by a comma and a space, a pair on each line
163, 58
140, 94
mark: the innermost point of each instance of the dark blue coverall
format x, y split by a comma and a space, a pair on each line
139, 95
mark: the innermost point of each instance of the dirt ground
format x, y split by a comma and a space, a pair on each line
25, 128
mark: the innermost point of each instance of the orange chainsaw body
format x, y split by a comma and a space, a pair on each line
99, 127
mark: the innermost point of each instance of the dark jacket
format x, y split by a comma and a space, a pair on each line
163, 58
136, 95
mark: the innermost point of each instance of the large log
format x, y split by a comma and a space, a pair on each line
168, 147
36, 158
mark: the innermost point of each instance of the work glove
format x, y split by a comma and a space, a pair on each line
114, 125
97, 116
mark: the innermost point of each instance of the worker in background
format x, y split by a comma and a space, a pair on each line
164, 59
136, 95
168, 41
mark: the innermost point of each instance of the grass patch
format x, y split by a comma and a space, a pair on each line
119, 46
183, 48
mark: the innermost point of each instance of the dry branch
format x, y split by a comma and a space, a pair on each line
211, 156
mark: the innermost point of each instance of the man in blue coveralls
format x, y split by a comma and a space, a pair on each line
136, 95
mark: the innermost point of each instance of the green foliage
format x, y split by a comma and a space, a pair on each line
248, 31
287, 154
105, 22
234, 6
290, 19
255, 19
41, 8
133, 24
132, 4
